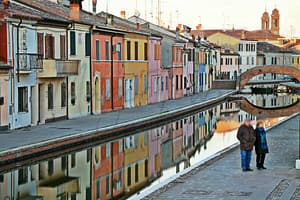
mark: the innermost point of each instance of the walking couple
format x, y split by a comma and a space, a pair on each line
248, 138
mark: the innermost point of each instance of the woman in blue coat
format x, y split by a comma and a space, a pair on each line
261, 146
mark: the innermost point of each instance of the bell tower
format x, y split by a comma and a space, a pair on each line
275, 23
265, 21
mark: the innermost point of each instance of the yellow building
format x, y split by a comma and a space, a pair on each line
136, 69
224, 40
136, 161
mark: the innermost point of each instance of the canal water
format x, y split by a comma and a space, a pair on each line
128, 166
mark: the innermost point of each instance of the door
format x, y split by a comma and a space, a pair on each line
127, 94
158, 88
39, 102
131, 93
97, 102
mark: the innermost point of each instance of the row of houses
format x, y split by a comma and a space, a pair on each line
117, 168
58, 61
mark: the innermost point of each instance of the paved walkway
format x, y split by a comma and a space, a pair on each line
223, 178
34, 135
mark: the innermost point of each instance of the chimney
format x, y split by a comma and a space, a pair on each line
94, 6
179, 26
243, 35
75, 7
177, 33
123, 14
199, 27
6, 4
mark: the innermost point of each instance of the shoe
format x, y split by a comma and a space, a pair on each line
263, 167
249, 170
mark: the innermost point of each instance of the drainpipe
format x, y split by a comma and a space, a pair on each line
112, 71
67, 58
18, 49
91, 73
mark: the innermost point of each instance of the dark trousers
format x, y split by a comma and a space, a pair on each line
260, 159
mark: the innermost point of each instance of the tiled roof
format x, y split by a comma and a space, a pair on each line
238, 33
265, 47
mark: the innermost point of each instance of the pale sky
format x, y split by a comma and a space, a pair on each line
217, 14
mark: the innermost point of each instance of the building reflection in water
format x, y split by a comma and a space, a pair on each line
122, 167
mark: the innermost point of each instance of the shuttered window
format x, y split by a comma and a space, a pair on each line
49, 47
107, 50
63, 47
97, 50
50, 96
72, 43
136, 50
128, 50
136, 85
145, 51
87, 44
40, 38
107, 84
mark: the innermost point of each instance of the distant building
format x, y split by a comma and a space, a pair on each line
229, 64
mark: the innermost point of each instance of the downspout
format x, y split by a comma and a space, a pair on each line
67, 58
91, 72
112, 71
18, 49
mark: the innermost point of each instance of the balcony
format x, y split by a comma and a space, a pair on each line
28, 62
59, 68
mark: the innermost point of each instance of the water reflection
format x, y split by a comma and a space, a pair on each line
120, 168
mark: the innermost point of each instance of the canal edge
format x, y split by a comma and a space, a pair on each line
201, 164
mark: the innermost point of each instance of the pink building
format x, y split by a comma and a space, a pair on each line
158, 77
188, 70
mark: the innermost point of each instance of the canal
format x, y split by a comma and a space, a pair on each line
126, 167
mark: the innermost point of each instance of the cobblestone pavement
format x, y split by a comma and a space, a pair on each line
222, 177
36, 134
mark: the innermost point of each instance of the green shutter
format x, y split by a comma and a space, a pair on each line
87, 44
72, 43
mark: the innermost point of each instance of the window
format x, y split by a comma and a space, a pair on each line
98, 188
87, 44
146, 138
107, 50
180, 81
120, 143
72, 43
136, 85
50, 167
167, 83
136, 50
136, 141
119, 48
73, 160
1, 178
97, 50
22, 176
88, 91
73, 97
49, 47
154, 84
177, 84
40, 40
50, 96
107, 184
88, 155
145, 51
157, 52
23, 99
107, 150
63, 94
73, 196
129, 176
62, 47
146, 168
185, 82
120, 179
221, 61
107, 89
128, 50
64, 161
120, 87
136, 172
145, 83
162, 83
252, 60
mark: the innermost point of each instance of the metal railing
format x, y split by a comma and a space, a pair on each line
29, 61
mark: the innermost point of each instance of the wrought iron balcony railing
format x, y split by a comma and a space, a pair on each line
29, 61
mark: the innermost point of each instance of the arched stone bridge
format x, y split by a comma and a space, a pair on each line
258, 111
244, 78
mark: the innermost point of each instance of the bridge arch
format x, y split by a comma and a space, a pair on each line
245, 77
258, 111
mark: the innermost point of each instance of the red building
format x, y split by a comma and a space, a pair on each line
108, 170
176, 72
107, 70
